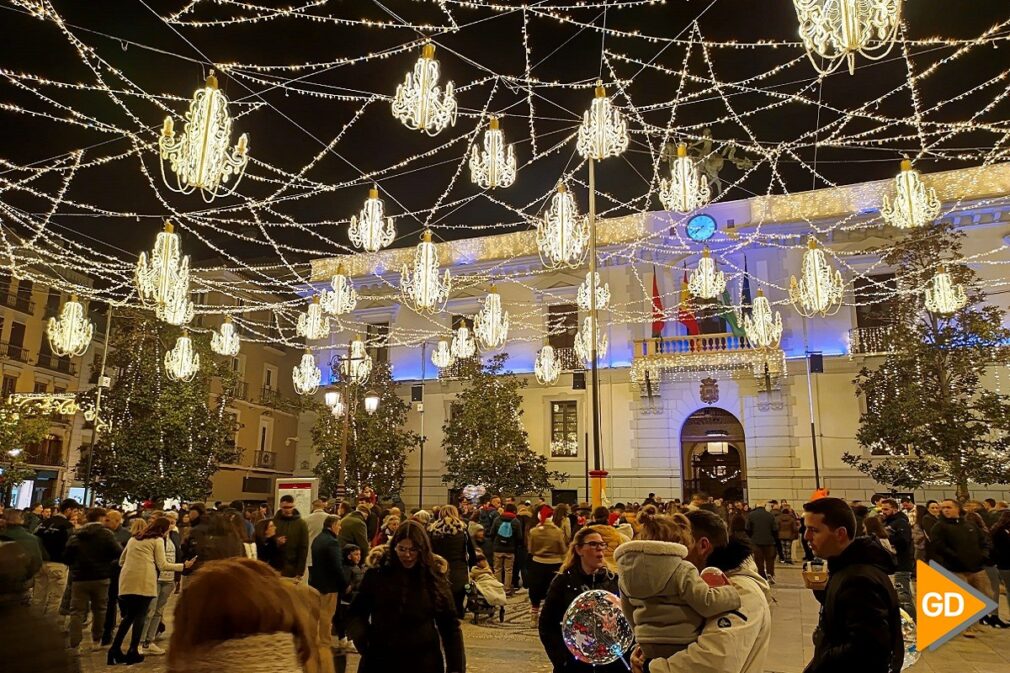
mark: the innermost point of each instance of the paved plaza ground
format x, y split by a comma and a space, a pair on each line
513, 646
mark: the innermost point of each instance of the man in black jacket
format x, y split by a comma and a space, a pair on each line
53, 534
326, 575
859, 628
899, 532
959, 546
90, 553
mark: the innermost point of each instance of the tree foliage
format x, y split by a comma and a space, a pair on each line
484, 440
18, 431
929, 410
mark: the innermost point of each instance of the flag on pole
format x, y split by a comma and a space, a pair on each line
685, 314
658, 317
730, 315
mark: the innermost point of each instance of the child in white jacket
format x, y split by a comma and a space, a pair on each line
662, 593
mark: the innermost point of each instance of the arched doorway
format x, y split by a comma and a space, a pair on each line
714, 454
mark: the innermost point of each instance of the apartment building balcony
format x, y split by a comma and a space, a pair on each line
48, 453
18, 302
57, 364
266, 460
239, 390
14, 352
271, 397
696, 353
871, 341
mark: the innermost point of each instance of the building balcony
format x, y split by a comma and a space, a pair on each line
14, 352
48, 453
18, 302
870, 341
57, 364
265, 460
239, 390
696, 353
270, 397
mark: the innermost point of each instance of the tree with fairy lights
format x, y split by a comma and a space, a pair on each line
377, 443
484, 440
18, 431
167, 438
933, 415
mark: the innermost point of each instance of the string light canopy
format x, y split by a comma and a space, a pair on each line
306, 375
463, 345
71, 333
182, 362
584, 344
705, 282
225, 341
820, 288
603, 132
162, 279
944, 296
687, 189
442, 356
562, 234
763, 326
914, 205
358, 367
342, 298
423, 290
419, 102
200, 158
584, 295
313, 324
834, 31
546, 367
496, 165
371, 230
491, 324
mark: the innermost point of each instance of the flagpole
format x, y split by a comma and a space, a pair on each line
598, 474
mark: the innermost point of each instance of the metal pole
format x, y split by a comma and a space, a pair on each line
420, 470
593, 317
813, 432
342, 473
98, 405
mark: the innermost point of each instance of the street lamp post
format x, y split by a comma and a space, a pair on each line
98, 405
341, 405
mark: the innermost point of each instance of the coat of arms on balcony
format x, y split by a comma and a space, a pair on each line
709, 390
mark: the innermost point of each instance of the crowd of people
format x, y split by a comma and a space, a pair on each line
393, 584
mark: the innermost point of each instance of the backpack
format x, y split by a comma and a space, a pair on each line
505, 531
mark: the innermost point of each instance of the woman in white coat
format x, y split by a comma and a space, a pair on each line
142, 562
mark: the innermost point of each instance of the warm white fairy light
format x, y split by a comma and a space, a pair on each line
313, 324
705, 282
342, 298
371, 230
491, 324
763, 326
687, 189
944, 296
225, 341
306, 375
358, 367
442, 356
546, 367
422, 289
419, 103
463, 345
914, 205
71, 333
834, 31
163, 279
603, 132
819, 289
562, 234
496, 165
182, 362
200, 157
584, 296
584, 344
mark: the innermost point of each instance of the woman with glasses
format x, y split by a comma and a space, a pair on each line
584, 568
403, 616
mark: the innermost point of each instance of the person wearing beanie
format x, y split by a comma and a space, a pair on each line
546, 552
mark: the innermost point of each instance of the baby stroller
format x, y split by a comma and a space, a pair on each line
480, 606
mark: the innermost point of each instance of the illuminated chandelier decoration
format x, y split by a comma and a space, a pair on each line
419, 103
182, 362
225, 341
442, 356
306, 375
463, 345
584, 296
342, 299
603, 132
200, 157
358, 366
583, 345
423, 290
546, 367
913, 204
491, 324
562, 234
820, 288
313, 324
763, 327
944, 296
71, 333
163, 279
705, 281
837, 30
496, 165
371, 230
687, 189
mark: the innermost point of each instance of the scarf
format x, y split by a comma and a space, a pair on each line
446, 527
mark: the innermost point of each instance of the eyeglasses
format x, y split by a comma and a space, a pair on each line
407, 550
595, 545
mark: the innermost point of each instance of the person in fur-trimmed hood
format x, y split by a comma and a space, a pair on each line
662, 594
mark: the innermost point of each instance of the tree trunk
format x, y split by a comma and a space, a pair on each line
962, 490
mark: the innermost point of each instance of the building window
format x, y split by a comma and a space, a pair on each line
562, 324
41, 387
10, 384
875, 299
377, 340
564, 429
265, 439
53, 304
270, 377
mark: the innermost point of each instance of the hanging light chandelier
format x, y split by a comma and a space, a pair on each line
763, 327
913, 204
306, 375
182, 362
820, 288
837, 30
603, 132
944, 296
496, 165
200, 157
463, 345
584, 296
225, 341
442, 356
342, 299
546, 367
584, 345
423, 290
562, 234
71, 333
705, 281
313, 323
163, 279
419, 103
371, 230
687, 189
358, 366
491, 324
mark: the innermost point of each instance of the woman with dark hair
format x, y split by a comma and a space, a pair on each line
450, 540
1000, 534
237, 522
403, 616
216, 537
919, 537
562, 521
266, 544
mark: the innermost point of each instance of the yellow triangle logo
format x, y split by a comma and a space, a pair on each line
945, 604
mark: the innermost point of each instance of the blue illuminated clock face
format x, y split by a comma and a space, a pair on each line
701, 227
